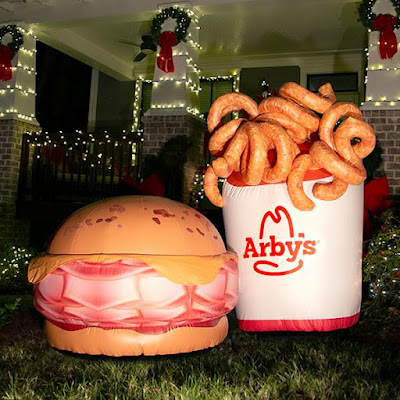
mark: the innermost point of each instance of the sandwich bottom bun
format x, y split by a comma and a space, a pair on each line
127, 342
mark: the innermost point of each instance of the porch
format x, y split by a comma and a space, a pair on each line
242, 45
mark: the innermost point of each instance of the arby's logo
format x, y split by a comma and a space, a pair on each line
278, 255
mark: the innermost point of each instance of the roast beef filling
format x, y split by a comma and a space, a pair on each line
132, 295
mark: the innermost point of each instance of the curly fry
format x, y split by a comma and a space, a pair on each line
222, 135
282, 124
302, 96
285, 152
210, 185
301, 115
255, 155
330, 191
331, 161
297, 132
350, 129
332, 116
327, 92
235, 149
300, 166
227, 103
221, 167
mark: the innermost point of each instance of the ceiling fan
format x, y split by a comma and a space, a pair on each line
146, 47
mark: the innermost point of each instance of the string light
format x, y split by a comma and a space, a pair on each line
382, 101
195, 112
381, 68
27, 51
25, 68
136, 105
25, 32
78, 138
194, 43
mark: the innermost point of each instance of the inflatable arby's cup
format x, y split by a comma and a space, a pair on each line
298, 271
296, 221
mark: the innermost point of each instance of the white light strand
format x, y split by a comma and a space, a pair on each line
25, 68
19, 88
14, 111
136, 105
27, 51
194, 43
382, 101
25, 32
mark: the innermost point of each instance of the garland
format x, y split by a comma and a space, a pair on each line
367, 16
18, 39
182, 23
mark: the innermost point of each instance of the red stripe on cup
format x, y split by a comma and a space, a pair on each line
307, 325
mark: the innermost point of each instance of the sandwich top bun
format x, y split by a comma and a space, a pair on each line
176, 240
137, 225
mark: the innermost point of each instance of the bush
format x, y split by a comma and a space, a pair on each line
13, 269
381, 267
8, 310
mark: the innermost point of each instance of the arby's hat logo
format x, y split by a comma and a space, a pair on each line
278, 255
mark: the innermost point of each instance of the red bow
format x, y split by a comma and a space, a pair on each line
6, 55
387, 38
164, 61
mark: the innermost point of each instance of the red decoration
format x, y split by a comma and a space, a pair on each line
6, 55
387, 38
153, 185
376, 201
164, 61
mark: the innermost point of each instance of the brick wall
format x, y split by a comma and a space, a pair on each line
12, 230
158, 129
387, 129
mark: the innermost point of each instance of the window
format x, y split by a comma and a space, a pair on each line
211, 90
345, 85
146, 96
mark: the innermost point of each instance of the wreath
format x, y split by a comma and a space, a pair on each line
168, 39
367, 16
18, 39
182, 23
385, 23
7, 52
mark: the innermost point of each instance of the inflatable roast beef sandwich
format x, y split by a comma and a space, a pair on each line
135, 275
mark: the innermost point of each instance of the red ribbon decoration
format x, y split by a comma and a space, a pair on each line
6, 55
164, 61
387, 38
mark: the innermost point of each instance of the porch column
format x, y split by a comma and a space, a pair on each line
175, 104
382, 106
17, 116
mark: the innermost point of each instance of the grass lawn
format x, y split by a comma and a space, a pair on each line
336, 365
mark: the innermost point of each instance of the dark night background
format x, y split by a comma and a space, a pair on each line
63, 90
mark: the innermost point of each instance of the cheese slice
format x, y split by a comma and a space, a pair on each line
185, 270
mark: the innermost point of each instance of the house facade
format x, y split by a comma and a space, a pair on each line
232, 45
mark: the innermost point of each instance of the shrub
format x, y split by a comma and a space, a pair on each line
8, 310
13, 269
381, 267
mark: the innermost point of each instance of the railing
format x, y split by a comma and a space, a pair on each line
72, 166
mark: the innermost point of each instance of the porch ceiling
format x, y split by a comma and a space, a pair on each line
232, 32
